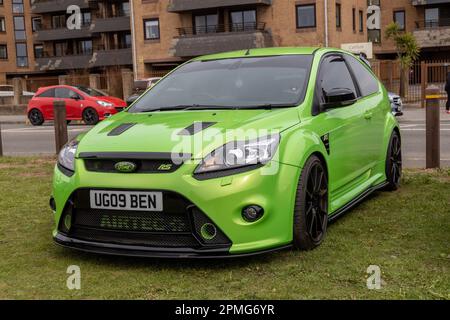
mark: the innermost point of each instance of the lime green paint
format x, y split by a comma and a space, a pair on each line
356, 163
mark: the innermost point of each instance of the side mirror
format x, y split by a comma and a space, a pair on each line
76, 98
338, 98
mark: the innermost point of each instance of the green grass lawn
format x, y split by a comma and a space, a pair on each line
406, 233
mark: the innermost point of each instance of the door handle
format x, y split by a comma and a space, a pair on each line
368, 115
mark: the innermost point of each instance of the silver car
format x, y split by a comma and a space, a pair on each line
396, 104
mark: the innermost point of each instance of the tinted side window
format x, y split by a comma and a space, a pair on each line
48, 94
368, 84
335, 75
62, 93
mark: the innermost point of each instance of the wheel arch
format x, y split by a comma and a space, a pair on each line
305, 143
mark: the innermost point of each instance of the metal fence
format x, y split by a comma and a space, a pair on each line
420, 75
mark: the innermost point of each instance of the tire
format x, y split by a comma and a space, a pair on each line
311, 206
90, 116
394, 163
36, 117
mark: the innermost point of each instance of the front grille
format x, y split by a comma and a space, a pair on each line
142, 166
132, 221
179, 225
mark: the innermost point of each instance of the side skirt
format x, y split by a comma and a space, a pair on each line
355, 202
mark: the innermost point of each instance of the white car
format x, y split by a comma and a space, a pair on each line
8, 91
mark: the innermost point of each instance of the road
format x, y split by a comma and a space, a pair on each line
26, 140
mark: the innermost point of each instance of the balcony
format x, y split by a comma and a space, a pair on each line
47, 6
428, 2
70, 62
111, 24
62, 34
220, 38
99, 58
433, 33
188, 5
119, 57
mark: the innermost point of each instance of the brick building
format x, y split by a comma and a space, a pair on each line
47, 48
16, 38
168, 32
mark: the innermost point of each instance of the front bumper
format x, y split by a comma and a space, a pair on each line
221, 200
151, 252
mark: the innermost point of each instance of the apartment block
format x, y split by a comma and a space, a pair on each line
168, 32
98, 42
16, 38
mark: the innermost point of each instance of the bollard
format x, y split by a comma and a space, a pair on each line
433, 129
1, 142
61, 136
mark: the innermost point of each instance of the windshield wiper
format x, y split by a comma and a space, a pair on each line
216, 107
187, 107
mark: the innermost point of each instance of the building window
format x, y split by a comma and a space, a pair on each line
151, 28
306, 16
17, 6
206, 23
21, 55
19, 28
60, 49
125, 10
2, 24
338, 16
84, 47
3, 52
361, 21
87, 17
400, 19
59, 21
354, 19
36, 23
243, 20
431, 17
38, 51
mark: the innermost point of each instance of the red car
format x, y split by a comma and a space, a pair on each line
82, 103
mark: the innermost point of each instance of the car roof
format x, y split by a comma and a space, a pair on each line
58, 86
279, 51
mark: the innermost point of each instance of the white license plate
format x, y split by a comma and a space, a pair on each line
126, 200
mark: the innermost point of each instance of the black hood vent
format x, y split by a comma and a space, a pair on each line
117, 131
195, 128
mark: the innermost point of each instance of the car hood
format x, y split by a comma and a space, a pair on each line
160, 131
116, 101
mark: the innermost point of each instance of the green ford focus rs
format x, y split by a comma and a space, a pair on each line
229, 155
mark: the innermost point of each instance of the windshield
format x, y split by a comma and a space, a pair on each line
91, 92
231, 83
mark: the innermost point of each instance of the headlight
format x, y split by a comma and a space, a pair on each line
66, 156
240, 154
104, 103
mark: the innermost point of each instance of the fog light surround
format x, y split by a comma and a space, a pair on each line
252, 213
208, 231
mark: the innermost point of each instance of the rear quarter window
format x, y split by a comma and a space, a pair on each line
367, 83
47, 94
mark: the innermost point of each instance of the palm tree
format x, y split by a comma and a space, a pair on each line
407, 52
